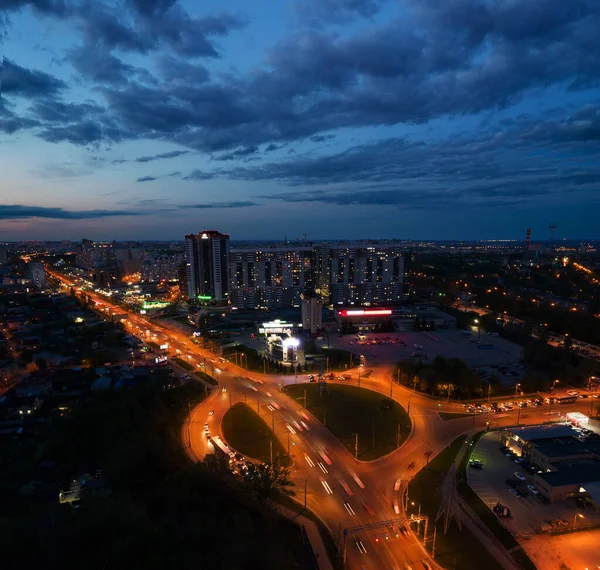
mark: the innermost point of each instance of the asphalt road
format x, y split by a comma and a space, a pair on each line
342, 491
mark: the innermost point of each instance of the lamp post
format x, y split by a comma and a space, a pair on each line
305, 481
476, 321
577, 515
517, 389
554, 383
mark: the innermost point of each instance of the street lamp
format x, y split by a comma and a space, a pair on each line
476, 321
553, 391
577, 515
517, 389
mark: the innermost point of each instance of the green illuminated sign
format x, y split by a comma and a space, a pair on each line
204, 297
155, 305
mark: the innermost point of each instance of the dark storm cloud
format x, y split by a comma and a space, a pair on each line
28, 83
240, 204
14, 212
160, 26
82, 134
146, 179
394, 73
441, 59
56, 111
99, 65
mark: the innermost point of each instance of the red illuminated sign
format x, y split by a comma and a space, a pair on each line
365, 312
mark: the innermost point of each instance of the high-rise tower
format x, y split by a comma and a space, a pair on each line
207, 262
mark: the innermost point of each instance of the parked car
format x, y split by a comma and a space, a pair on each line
514, 492
533, 490
520, 476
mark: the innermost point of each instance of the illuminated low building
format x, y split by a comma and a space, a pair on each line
279, 327
567, 462
283, 349
363, 318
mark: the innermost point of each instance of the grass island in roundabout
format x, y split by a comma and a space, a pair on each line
382, 424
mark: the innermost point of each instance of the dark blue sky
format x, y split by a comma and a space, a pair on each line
434, 119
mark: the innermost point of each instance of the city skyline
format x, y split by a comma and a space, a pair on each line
371, 119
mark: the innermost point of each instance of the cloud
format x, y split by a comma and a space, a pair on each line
238, 154
84, 133
171, 154
14, 212
18, 81
240, 204
316, 12
199, 175
146, 179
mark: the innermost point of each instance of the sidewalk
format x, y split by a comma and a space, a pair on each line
314, 536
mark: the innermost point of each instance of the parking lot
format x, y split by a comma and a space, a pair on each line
449, 343
529, 513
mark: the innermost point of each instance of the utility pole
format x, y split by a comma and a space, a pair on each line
356, 446
489, 391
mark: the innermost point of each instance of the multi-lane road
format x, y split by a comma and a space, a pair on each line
343, 492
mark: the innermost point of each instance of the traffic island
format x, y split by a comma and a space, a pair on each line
367, 423
249, 435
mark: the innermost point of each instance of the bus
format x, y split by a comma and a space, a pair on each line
219, 443
565, 399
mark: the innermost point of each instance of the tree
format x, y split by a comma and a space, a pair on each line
265, 481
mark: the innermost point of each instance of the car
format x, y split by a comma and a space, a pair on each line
520, 476
573, 393
474, 465
519, 460
511, 482
514, 493
533, 489
211, 413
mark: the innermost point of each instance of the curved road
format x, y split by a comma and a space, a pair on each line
342, 491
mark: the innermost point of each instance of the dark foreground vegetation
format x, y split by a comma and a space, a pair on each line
163, 511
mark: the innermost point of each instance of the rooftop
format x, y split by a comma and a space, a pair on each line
564, 446
574, 474
536, 433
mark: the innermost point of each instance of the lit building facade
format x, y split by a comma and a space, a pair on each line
312, 313
159, 266
206, 257
269, 278
361, 273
